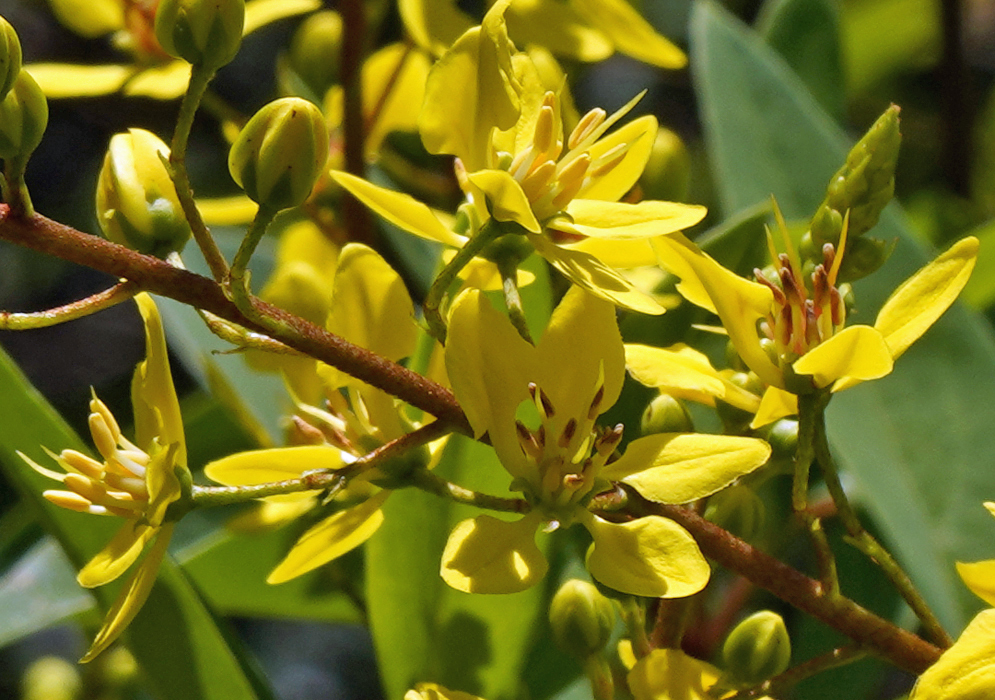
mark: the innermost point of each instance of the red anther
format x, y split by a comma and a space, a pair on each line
599, 396
569, 430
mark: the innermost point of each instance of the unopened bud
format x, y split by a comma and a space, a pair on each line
280, 153
23, 118
51, 678
667, 174
737, 510
137, 204
736, 419
10, 57
757, 649
205, 33
315, 49
782, 435
864, 256
665, 414
582, 619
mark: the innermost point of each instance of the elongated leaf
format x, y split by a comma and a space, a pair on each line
175, 639
915, 444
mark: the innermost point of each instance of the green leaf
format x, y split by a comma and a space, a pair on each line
807, 35
915, 445
174, 638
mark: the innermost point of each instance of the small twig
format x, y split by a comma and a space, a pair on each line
122, 291
357, 217
796, 674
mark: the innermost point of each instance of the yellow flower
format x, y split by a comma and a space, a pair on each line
965, 671
149, 71
980, 576
793, 334
136, 481
670, 674
559, 459
486, 105
370, 307
434, 691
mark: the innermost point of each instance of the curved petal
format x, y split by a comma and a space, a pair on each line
965, 671
115, 558
740, 303
622, 221
131, 598
613, 185
775, 404
979, 576
487, 555
402, 210
166, 82
277, 464
922, 299
580, 346
434, 25
651, 556
227, 211
672, 675
631, 34
259, 13
588, 272
620, 254
331, 538
489, 365
559, 28
64, 80
89, 18
678, 468
506, 201
393, 80
157, 410
683, 372
857, 352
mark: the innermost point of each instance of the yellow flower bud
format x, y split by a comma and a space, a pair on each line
23, 118
314, 50
738, 510
581, 618
137, 204
10, 57
280, 153
757, 649
205, 33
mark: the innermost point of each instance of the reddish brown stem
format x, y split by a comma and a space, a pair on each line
157, 276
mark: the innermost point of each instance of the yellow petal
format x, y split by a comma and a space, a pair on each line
740, 303
471, 90
434, 25
624, 255
588, 272
259, 13
433, 691
621, 221
63, 80
683, 372
119, 554
89, 18
402, 210
980, 578
393, 80
166, 82
631, 34
489, 365
922, 299
965, 671
505, 199
858, 352
131, 598
227, 211
277, 464
487, 555
651, 556
558, 27
676, 468
482, 274
331, 538
157, 410
670, 674
775, 404
640, 134
581, 345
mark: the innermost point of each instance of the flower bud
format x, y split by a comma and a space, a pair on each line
280, 153
23, 118
667, 174
51, 678
137, 204
205, 33
315, 48
665, 414
581, 618
738, 510
10, 57
757, 649
864, 256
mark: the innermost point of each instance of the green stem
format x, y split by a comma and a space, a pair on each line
237, 282
122, 291
598, 671
672, 617
431, 483
633, 613
867, 544
199, 78
437, 292
779, 684
15, 191
512, 299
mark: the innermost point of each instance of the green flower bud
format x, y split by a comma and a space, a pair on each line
10, 57
757, 649
667, 174
137, 204
315, 48
665, 414
23, 118
864, 256
205, 33
736, 420
581, 618
280, 153
738, 510
51, 678
782, 435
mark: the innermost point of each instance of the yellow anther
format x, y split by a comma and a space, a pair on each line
103, 436
537, 182
588, 123
542, 139
98, 406
68, 500
571, 180
609, 160
87, 466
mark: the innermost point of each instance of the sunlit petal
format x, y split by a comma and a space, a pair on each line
259, 13
859, 352
613, 185
619, 220
965, 671
980, 578
64, 80
505, 199
119, 554
166, 82
631, 34
487, 555
558, 27
775, 404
